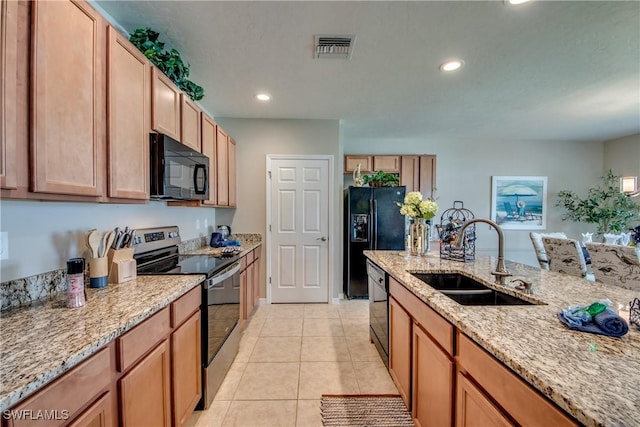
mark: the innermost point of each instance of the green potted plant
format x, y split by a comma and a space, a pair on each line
169, 62
604, 205
382, 179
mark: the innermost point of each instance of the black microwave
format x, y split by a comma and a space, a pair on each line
178, 172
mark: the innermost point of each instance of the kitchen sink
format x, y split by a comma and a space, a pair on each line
467, 291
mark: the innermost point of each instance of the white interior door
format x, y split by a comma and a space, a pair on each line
299, 224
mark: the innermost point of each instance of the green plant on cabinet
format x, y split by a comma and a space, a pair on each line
169, 62
382, 179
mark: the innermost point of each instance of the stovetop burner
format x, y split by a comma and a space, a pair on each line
156, 252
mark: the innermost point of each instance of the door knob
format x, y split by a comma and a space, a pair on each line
324, 239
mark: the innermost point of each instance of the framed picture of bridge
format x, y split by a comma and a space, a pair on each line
519, 202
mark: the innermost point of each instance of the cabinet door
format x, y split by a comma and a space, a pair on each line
410, 172
100, 414
187, 371
145, 391
473, 409
351, 163
8, 94
209, 133
129, 99
427, 175
433, 378
165, 105
67, 92
244, 295
386, 163
400, 349
190, 129
232, 172
222, 166
256, 276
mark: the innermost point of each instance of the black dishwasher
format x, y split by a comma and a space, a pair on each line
378, 282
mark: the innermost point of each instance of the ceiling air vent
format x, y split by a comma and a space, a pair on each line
334, 46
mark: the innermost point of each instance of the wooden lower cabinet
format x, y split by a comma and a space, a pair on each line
474, 409
66, 396
471, 389
432, 382
100, 414
145, 391
400, 349
186, 368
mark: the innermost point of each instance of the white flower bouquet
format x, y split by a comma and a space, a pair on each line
415, 207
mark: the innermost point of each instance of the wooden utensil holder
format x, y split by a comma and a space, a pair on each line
122, 265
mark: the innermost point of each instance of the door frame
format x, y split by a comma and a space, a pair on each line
331, 232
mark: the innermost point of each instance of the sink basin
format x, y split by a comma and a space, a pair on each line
467, 291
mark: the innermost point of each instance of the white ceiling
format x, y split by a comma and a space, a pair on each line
540, 71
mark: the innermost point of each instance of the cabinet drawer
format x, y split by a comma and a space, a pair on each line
70, 392
243, 263
142, 338
182, 308
250, 257
436, 326
257, 252
523, 403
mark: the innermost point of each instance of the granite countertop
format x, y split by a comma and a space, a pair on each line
592, 377
248, 242
42, 342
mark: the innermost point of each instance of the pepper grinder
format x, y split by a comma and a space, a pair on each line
75, 277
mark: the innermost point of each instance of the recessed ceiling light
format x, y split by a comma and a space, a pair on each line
263, 97
451, 65
516, 2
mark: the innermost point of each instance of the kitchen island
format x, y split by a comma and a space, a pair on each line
591, 377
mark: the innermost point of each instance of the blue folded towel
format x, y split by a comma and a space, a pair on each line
606, 323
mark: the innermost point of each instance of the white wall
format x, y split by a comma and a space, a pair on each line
256, 138
44, 235
464, 170
622, 155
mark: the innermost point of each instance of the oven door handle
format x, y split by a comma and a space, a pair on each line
230, 271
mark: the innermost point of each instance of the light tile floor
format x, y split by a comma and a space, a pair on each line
290, 355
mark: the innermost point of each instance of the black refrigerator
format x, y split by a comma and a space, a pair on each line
372, 222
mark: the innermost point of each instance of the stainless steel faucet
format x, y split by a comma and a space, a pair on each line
500, 272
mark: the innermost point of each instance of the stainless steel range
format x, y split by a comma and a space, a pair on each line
156, 252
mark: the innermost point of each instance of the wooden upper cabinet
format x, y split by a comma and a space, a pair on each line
351, 162
8, 96
428, 175
209, 134
129, 105
165, 105
190, 130
68, 103
222, 166
232, 172
410, 172
386, 163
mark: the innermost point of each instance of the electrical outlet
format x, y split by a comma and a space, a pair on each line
4, 245
206, 223
197, 224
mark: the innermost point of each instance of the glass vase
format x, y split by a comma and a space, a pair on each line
418, 238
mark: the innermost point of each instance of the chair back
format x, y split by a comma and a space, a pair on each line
565, 256
615, 265
541, 254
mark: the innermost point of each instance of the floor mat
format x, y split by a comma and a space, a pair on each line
364, 410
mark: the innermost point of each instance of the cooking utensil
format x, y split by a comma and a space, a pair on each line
107, 241
93, 241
